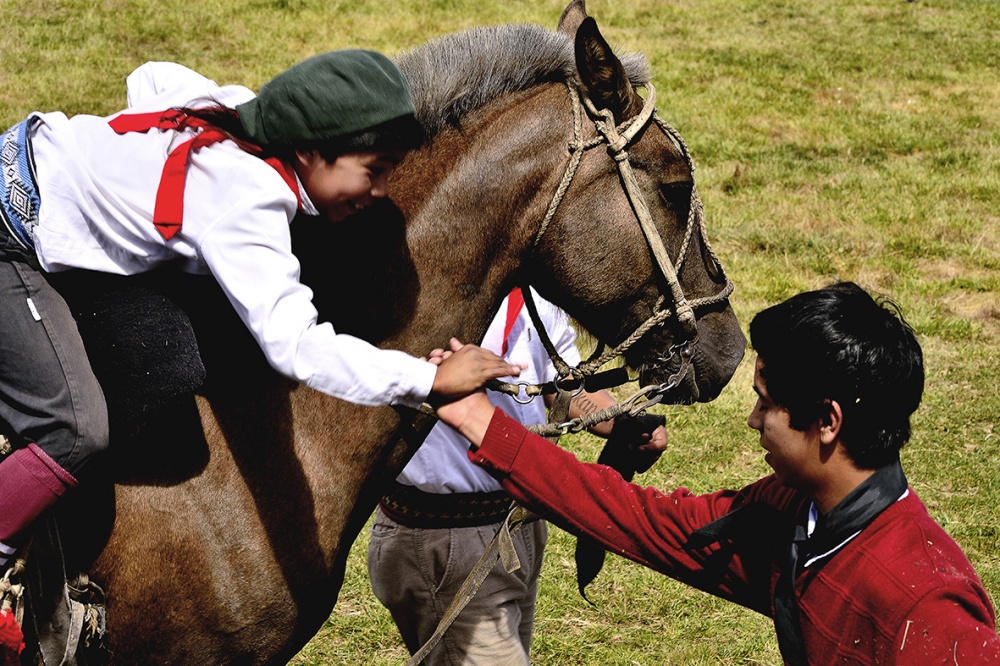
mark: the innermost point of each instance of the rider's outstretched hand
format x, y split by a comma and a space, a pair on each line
466, 368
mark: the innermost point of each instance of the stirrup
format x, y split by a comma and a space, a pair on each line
88, 598
12, 610
12, 591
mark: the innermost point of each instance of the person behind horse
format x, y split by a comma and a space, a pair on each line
433, 526
209, 178
834, 545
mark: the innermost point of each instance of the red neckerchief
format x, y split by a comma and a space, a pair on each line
514, 304
168, 212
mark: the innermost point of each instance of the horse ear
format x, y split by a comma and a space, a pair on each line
602, 73
572, 17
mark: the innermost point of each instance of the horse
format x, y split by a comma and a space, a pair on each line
238, 556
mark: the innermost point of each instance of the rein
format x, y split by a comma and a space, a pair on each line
618, 138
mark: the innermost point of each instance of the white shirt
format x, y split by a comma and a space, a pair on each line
811, 527
441, 464
98, 190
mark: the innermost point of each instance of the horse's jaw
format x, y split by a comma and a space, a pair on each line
714, 358
679, 385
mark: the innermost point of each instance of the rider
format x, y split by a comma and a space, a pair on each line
209, 177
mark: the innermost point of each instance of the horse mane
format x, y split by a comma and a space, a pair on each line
461, 72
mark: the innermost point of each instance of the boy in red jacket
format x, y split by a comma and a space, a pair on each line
834, 546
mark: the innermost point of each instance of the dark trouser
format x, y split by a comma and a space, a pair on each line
48, 394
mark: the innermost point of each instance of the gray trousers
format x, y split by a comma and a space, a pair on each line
48, 392
416, 573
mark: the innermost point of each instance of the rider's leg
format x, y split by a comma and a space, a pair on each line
48, 395
30, 482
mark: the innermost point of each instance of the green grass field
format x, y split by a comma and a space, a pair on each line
834, 140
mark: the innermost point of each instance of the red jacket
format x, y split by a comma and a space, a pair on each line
901, 592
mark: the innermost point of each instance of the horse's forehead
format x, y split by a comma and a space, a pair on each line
657, 155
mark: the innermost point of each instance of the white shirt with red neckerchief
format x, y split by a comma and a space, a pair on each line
98, 190
441, 464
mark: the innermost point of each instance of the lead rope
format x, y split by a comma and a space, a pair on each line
501, 546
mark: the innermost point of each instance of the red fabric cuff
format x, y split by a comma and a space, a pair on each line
501, 443
65, 478
30, 482
11, 639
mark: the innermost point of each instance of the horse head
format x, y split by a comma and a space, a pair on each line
546, 167
626, 251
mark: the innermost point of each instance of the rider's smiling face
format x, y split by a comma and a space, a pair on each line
348, 184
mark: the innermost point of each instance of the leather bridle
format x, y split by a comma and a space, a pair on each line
618, 138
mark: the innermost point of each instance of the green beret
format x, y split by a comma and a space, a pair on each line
329, 96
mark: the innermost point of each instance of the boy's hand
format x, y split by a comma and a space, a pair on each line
466, 368
436, 356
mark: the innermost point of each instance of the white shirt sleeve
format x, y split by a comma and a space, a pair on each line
248, 250
236, 217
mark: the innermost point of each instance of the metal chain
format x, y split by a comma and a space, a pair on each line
634, 405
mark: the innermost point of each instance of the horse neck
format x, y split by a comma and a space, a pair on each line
474, 199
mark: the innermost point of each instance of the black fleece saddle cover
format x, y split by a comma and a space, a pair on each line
155, 339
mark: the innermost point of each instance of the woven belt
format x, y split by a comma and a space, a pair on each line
413, 507
19, 200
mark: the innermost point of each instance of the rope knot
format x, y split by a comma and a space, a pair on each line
616, 142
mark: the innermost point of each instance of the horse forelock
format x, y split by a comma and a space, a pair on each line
461, 72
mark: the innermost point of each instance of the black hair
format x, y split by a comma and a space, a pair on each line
839, 343
397, 135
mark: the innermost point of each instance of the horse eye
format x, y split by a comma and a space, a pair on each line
676, 195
